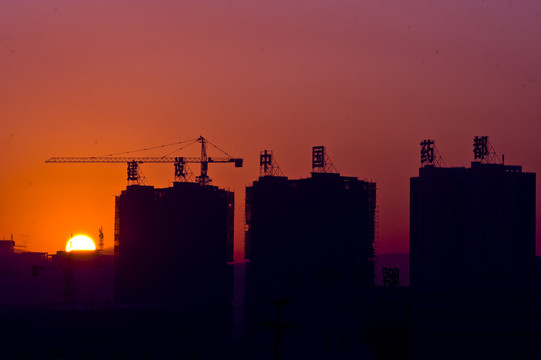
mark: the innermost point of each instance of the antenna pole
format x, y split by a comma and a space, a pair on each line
101, 238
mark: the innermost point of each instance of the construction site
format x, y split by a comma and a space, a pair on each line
309, 244
306, 288
173, 250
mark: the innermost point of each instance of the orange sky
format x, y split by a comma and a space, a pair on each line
368, 79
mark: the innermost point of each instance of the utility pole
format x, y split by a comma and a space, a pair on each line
279, 326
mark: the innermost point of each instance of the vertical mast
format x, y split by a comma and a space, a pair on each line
203, 178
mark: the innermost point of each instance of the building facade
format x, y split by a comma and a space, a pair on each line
473, 269
172, 245
310, 246
472, 227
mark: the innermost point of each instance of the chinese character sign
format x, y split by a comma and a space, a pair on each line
391, 276
265, 163
132, 171
480, 147
427, 151
265, 158
318, 156
179, 167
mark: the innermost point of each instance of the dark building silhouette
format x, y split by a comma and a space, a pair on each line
7, 247
319, 229
310, 248
172, 245
63, 305
75, 279
472, 227
477, 323
473, 269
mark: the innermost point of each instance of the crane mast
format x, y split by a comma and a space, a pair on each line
133, 162
203, 179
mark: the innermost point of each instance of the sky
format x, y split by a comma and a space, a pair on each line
368, 79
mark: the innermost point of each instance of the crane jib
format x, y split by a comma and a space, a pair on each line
181, 171
89, 160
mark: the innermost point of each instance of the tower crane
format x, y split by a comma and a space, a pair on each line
179, 162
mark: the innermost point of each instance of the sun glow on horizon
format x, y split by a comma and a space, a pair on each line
80, 242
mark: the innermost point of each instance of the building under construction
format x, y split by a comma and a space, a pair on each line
321, 227
172, 245
309, 242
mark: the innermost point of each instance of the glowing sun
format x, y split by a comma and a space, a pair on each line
80, 242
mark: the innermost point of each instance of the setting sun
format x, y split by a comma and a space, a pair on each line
80, 242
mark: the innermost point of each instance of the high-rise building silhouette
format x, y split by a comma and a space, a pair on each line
308, 230
172, 245
472, 227
310, 246
473, 269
